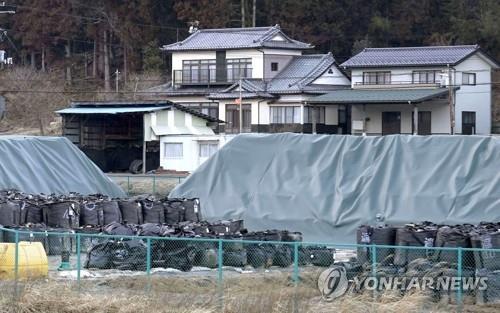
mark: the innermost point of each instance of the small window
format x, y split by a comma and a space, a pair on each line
207, 149
274, 66
173, 150
468, 78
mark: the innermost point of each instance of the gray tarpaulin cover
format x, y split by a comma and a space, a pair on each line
326, 186
50, 165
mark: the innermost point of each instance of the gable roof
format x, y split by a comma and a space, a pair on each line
412, 56
296, 77
237, 38
123, 107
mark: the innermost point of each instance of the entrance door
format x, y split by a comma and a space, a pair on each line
468, 123
233, 118
391, 123
424, 122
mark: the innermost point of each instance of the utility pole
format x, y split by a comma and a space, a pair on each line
451, 102
254, 12
241, 109
243, 13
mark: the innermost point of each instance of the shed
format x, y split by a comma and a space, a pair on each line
118, 135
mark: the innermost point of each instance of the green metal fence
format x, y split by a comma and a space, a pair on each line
147, 184
216, 269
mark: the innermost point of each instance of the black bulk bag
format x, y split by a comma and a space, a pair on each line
90, 215
130, 255
368, 235
63, 214
153, 212
131, 211
492, 293
101, 255
292, 236
149, 229
119, 229
321, 256
234, 258
259, 255
110, 211
33, 213
228, 227
206, 258
174, 211
179, 258
453, 237
485, 259
192, 210
282, 255
416, 236
10, 213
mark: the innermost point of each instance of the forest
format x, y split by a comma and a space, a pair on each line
89, 46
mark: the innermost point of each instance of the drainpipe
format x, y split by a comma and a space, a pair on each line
415, 118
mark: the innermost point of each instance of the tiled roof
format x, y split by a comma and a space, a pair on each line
374, 96
410, 56
295, 78
168, 90
236, 38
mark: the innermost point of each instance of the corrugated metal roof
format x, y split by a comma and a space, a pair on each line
236, 38
410, 56
363, 96
111, 110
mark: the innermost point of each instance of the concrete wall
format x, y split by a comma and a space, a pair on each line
440, 121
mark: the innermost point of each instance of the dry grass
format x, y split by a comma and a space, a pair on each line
270, 292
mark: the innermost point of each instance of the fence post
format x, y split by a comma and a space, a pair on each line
374, 266
296, 263
219, 275
459, 274
128, 185
16, 264
154, 184
78, 260
148, 263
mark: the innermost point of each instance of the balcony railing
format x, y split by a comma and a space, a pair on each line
210, 76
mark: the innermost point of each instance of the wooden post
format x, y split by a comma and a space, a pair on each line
415, 119
144, 143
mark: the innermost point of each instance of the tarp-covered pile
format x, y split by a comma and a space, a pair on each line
326, 186
50, 165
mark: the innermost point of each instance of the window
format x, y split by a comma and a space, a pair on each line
233, 118
208, 108
376, 78
173, 150
285, 115
319, 111
274, 66
198, 71
237, 68
208, 148
424, 77
468, 78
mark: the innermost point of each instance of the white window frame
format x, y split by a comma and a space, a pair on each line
213, 146
466, 79
177, 156
285, 114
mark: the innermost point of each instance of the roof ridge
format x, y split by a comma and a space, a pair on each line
233, 29
476, 46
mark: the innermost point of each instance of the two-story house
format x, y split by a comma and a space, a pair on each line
418, 90
213, 68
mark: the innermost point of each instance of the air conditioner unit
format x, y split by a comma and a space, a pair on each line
358, 126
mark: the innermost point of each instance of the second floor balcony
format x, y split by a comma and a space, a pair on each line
211, 76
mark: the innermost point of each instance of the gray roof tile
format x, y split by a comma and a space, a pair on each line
236, 38
410, 56
374, 96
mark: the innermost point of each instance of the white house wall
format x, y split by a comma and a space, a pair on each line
474, 98
254, 54
190, 155
440, 121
